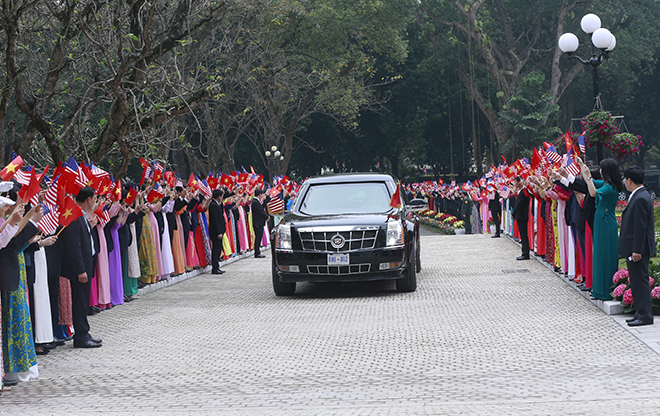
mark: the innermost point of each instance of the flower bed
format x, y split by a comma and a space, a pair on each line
440, 221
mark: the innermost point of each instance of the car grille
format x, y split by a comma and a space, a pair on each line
356, 239
340, 270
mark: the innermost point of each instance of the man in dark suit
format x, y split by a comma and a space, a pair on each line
637, 244
79, 248
259, 218
217, 228
521, 215
495, 208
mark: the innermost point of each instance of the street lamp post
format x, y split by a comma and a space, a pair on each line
602, 43
274, 155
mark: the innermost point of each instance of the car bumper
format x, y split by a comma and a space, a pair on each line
364, 266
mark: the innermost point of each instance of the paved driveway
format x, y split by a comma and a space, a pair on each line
482, 335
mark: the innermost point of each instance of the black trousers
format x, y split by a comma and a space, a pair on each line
639, 283
80, 307
258, 236
495, 214
216, 250
524, 237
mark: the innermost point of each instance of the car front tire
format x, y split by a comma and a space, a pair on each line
282, 288
409, 281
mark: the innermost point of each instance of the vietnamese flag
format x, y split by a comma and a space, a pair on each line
569, 141
28, 191
10, 170
130, 196
395, 202
154, 195
170, 179
192, 182
212, 181
69, 212
226, 180
116, 193
536, 159
143, 163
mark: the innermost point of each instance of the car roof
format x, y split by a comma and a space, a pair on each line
350, 177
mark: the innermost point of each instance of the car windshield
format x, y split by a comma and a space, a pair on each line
346, 198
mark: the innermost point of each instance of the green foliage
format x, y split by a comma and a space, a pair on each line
531, 115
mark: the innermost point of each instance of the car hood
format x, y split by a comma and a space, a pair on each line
301, 221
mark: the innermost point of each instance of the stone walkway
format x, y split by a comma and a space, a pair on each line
482, 335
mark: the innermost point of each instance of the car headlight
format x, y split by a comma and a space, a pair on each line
283, 237
394, 234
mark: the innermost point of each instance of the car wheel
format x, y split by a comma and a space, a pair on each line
282, 288
409, 281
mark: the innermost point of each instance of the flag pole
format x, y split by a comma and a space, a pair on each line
61, 229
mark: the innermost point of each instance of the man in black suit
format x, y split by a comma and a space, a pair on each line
637, 244
521, 214
217, 228
79, 248
495, 208
259, 218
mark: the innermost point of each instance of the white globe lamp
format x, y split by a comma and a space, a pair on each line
602, 38
590, 23
568, 43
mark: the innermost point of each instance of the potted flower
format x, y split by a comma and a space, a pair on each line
491, 226
625, 144
599, 127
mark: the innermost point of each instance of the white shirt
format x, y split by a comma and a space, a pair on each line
633, 192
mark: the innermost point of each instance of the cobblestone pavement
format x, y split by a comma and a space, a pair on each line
482, 335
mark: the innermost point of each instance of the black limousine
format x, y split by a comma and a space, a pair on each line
341, 228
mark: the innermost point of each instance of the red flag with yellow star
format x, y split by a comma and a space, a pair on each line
130, 196
192, 182
69, 212
10, 170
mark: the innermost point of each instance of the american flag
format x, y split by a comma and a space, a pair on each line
552, 154
276, 204
505, 192
98, 172
104, 217
204, 187
23, 177
572, 167
583, 149
49, 222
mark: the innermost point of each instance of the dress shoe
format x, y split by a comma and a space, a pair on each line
637, 322
260, 256
522, 258
9, 383
218, 272
58, 342
98, 341
495, 236
48, 345
585, 288
91, 312
86, 344
634, 318
96, 309
43, 351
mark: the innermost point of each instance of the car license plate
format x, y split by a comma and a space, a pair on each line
338, 260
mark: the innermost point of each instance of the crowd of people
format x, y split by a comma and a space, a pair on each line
564, 213
86, 244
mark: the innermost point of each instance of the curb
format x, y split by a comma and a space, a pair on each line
610, 307
178, 279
